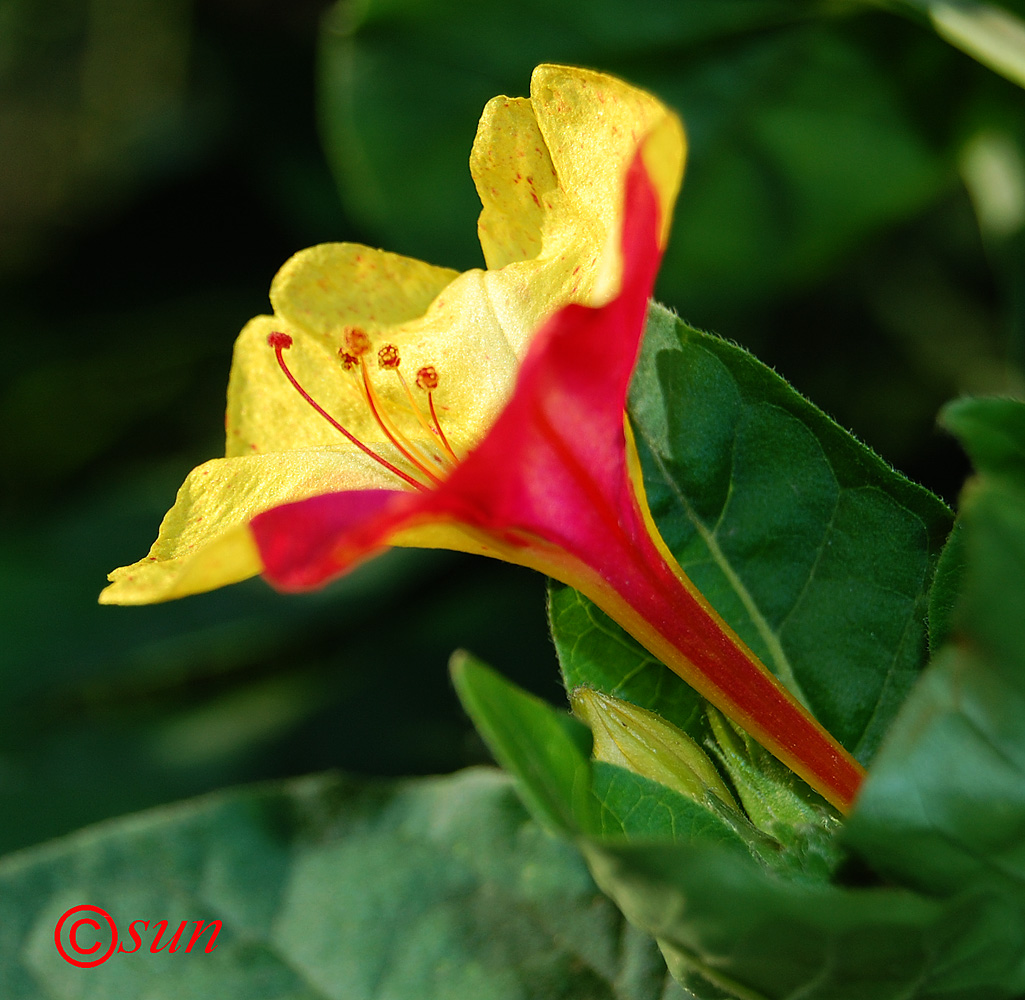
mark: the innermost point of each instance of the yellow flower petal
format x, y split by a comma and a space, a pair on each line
593, 124
664, 152
461, 333
544, 167
325, 288
549, 230
544, 170
203, 542
515, 181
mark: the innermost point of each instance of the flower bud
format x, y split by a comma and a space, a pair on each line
646, 744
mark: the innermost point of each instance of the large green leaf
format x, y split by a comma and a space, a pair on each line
329, 888
729, 925
811, 547
944, 806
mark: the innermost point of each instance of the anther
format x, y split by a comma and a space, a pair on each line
427, 378
357, 343
388, 356
349, 361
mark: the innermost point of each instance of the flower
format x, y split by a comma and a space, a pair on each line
549, 171
527, 460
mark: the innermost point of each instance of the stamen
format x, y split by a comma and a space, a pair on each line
427, 380
282, 342
388, 357
357, 343
397, 438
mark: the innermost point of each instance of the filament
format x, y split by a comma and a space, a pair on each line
281, 342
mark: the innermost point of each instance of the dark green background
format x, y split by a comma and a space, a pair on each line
159, 160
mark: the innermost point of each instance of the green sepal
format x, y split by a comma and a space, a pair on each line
778, 803
646, 744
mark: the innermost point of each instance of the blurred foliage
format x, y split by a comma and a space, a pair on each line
332, 889
123, 287
853, 212
87, 118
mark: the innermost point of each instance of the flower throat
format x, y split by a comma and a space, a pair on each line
430, 464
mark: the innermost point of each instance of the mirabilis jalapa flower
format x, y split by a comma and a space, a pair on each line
390, 402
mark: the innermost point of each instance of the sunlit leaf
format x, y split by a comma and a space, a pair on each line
810, 546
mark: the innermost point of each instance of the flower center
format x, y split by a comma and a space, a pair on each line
429, 461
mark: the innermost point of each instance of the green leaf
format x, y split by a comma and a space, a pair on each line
633, 807
946, 586
992, 431
816, 552
809, 545
729, 930
944, 806
329, 888
547, 750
